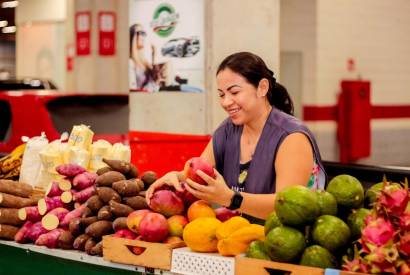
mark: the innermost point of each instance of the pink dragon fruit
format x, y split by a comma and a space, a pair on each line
404, 246
377, 231
404, 221
356, 265
394, 201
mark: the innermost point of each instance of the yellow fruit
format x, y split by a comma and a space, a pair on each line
200, 234
249, 233
200, 209
239, 240
228, 227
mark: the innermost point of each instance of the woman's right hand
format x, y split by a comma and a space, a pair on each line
172, 178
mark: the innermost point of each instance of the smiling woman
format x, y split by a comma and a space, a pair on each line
260, 148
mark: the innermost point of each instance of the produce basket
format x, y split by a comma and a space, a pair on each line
184, 261
155, 255
246, 266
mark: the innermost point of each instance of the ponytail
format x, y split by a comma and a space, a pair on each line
254, 69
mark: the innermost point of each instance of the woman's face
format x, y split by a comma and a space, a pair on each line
238, 97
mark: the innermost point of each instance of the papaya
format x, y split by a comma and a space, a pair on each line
318, 256
271, 222
225, 229
257, 250
239, 240
296, 205
284, 244
347, 190
355, 221
200, 234
327, 203
331, 232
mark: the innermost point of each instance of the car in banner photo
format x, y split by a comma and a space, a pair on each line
181, 47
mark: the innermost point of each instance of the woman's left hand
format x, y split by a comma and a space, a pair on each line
216, 191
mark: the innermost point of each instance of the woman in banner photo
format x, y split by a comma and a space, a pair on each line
259, 149
142, 75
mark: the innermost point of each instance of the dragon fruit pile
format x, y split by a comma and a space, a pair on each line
384, 246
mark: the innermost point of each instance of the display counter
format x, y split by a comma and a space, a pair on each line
31, 259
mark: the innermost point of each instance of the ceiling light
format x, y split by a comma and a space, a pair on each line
10, 29
3, 23
9, 4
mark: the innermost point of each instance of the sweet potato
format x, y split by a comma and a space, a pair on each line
79, 242
73, 214
49, 239
142, 193
29, 213
65, 240
103, 170
136, 202
94, 203
8, 232
127, 188
70, 169
89, 244
85, 222
149, 177
53, 218
126, 168
108, 178
119, 223
98, 229
105, 213
11, 201
46, 204
84, 180
64, 184
67, 196
16, 188
87, 212
21, 235
35, 231
107, 194
97, 250
10, 216
53, 189
119, 209
140, 184
85, 194
75, 226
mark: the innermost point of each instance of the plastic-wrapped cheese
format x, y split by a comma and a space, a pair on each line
31, 163
81, 136
78, 156
121, 152
99, 150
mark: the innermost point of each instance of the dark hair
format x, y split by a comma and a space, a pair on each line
254, 69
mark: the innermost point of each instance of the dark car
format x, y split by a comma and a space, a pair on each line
181, 47
26, 84
28, 113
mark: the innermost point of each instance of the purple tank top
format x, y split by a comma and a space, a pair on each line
261, 174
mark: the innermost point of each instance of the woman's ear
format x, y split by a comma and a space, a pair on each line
263, 87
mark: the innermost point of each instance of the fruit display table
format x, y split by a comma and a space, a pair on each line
31, 259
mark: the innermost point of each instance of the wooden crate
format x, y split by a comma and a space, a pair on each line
156, 255
246, 266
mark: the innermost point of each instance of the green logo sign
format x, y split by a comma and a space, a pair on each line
164, 20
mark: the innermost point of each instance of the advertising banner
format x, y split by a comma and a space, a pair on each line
166, 45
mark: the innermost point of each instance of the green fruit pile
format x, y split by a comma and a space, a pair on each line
313, 228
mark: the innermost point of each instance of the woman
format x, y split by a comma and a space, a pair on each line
141, 72
260, 149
